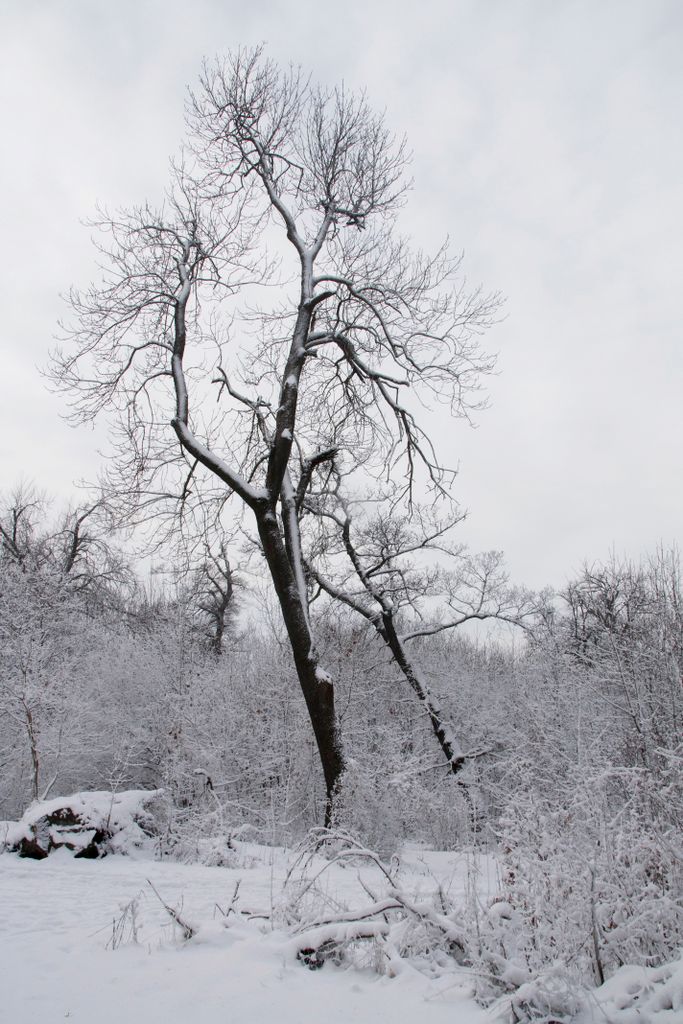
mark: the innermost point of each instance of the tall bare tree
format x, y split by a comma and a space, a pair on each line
212, 395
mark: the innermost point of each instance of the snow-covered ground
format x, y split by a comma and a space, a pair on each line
60, 918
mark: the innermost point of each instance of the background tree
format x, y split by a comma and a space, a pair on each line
211, 586
77, 545
20, 511
58, 576
623, 622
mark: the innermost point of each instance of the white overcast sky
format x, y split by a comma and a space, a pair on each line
548, 143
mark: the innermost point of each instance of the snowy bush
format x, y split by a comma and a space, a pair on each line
587, 887
195, 835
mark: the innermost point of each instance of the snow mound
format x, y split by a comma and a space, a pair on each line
89, 824
634, 995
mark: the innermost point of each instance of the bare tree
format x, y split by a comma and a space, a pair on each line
407, 579
214, 583
40, 621
76, 546
622, 624
276, 172
20, 512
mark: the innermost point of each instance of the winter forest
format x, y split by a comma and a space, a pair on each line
259, 649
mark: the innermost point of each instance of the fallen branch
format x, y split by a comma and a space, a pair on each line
187, 930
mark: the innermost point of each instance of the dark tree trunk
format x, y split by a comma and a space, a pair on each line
316, 685
446, 741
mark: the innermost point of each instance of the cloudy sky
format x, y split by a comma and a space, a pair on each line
547, 143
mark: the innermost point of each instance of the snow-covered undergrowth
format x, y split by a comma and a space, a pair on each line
587, 887
479, 929
413, 938
83, 940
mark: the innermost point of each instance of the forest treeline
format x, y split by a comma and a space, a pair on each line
570, 732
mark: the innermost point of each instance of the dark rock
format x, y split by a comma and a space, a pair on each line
32, 848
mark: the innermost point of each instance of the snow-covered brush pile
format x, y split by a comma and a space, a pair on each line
381, 925
390, 927
90, 824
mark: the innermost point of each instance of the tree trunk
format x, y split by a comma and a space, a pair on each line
316, 685
444, 736
33, 746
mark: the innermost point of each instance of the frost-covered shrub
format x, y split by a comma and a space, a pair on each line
195, 835
586, 886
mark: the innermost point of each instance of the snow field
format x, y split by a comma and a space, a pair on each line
62, 917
